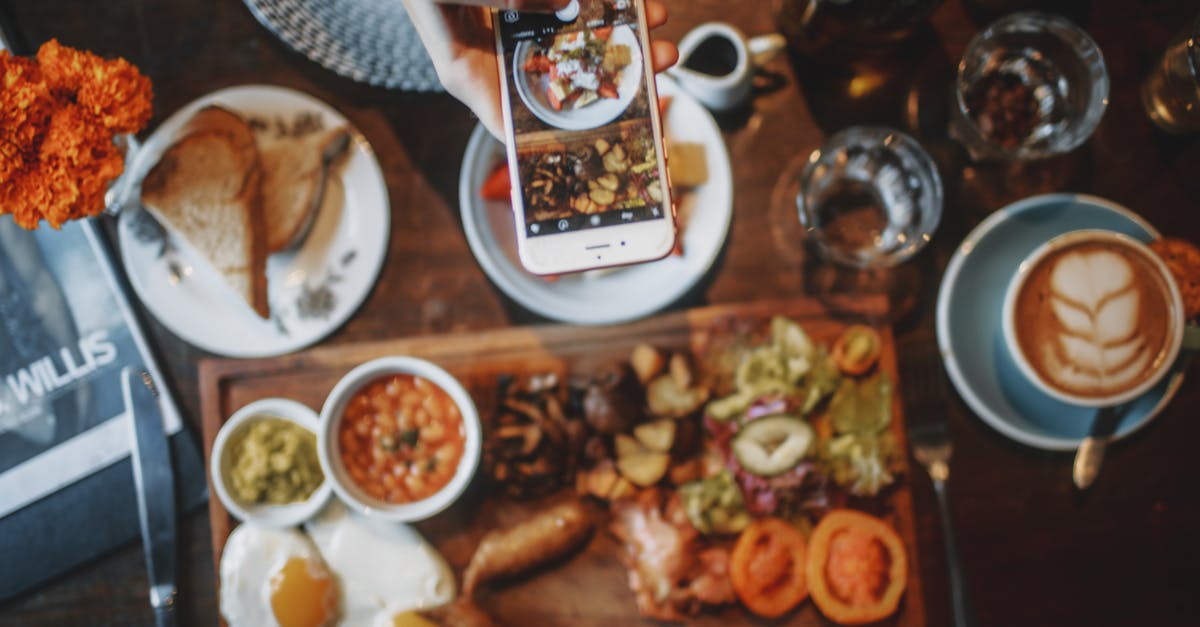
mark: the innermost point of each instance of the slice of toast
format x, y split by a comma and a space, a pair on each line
293, 176
207, 188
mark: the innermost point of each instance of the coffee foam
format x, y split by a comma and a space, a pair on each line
1093, 319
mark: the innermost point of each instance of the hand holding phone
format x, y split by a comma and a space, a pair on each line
584, 136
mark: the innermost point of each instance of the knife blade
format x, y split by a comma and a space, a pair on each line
154, 483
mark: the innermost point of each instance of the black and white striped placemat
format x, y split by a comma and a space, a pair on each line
371, 41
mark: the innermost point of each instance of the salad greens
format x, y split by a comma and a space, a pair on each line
715, 505
779, 367
862, 449
855, 449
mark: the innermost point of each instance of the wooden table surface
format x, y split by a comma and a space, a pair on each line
1036, 551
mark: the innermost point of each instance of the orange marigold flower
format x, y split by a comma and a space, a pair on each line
58, 115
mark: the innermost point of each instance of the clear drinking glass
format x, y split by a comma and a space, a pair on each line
1031, 85
1171, 94
870, 198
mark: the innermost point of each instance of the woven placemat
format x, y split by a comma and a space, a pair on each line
370, 41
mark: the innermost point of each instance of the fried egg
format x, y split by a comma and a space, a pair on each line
384, 569
275, 578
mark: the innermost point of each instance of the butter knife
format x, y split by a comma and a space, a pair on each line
154, 483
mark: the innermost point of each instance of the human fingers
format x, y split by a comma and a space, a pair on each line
656, 13
663, 54
515, 5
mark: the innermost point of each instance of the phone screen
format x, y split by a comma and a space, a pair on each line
586, 152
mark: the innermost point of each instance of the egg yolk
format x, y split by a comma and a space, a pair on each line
303, 594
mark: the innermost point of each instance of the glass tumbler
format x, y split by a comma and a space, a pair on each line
1030, 85
1171, 94
870, 198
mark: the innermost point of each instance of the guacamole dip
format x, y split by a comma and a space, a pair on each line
274, 461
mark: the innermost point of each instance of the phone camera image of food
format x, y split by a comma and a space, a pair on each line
584, 137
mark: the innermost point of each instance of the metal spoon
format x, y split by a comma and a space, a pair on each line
1091, 450
334, 149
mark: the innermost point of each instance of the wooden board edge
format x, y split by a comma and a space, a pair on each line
507, 338
210, 379
914, 598
216, 373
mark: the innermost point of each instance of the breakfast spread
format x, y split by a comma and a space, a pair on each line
274, 461
581, 67
61, 113
728, 474
401, 438
236, 194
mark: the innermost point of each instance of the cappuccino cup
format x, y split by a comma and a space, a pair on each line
1093, 318
717, 63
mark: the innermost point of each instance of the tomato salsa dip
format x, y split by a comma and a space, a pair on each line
401, 438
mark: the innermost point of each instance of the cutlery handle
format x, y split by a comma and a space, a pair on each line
164, 616
963, 614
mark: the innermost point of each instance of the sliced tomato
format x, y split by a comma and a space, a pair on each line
857, 350
538, 64
604, 32
664, 104
607, 90
555, 103
498, 185
767, 567
857, 567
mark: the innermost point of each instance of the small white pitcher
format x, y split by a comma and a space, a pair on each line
730, 90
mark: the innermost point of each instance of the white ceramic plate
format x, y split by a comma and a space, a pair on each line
608, 296
312, 288
532, 89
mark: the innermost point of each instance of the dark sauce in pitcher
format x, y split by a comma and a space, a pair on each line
715, 56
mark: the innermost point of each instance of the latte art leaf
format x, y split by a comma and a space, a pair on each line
1096, 300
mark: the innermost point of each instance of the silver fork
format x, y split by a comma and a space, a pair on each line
932, 448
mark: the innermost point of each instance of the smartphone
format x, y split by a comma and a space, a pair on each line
584, 137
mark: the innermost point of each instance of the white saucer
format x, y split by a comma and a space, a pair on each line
609, 296
312, 289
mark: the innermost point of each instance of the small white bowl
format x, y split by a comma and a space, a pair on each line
331, 463
219, 465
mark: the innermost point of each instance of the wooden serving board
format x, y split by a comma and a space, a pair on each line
589, 588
